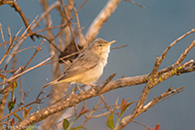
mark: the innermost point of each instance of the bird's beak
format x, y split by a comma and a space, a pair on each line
109, 43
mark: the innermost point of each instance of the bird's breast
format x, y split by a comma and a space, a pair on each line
103, 58
93, 74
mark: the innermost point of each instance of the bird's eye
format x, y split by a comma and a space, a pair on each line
100, 45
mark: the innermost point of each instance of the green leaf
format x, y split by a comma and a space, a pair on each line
2, 77
19, 118
79, 127
27, 111
15, 85
65, 124
10, 105
30, 127
110, 121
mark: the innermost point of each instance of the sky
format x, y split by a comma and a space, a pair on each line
148, 32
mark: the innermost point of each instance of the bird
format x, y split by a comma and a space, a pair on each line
88, 66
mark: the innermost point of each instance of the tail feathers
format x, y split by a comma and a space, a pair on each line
50, 83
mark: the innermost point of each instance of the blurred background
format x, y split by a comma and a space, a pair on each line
148, 32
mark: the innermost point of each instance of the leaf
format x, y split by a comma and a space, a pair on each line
110, 121
83, 111
157, 127
65, 124
124, 105
14, 100
2, 77
79, 127
27, 111
14, 85
30, 127
19, 118
10, 105
24, 112
12, 122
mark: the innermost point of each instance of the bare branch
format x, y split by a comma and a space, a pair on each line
136, 3
75, 99
31, 68
18, 9
2, 33
100, 20
160, 59
184, 54
162, 97
158, 77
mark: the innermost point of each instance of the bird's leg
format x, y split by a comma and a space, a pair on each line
78, 87
93, 85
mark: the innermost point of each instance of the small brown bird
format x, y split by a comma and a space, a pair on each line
88, 66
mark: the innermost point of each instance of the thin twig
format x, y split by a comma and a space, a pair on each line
184, 54
31, 68
38, 100
21, 91
101, 115
91, 113
136, 3
160, 59
18, 9
105, 103
19, 42
42, 16
69, 24
162, 97
36, 51
78, 24
2, 33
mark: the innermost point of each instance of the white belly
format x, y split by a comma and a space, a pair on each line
93, 74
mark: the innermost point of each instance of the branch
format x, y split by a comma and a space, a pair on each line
18, 75
158, 77
18, 9
101, 19
136, 3
184, 54
73, 99
162, 97
153, 102
160, 59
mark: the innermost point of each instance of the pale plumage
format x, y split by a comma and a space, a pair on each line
88, 66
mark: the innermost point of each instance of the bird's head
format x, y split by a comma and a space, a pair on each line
100, 46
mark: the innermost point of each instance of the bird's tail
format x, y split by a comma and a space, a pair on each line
50, 83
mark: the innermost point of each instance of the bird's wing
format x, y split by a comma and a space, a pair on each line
84, 62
